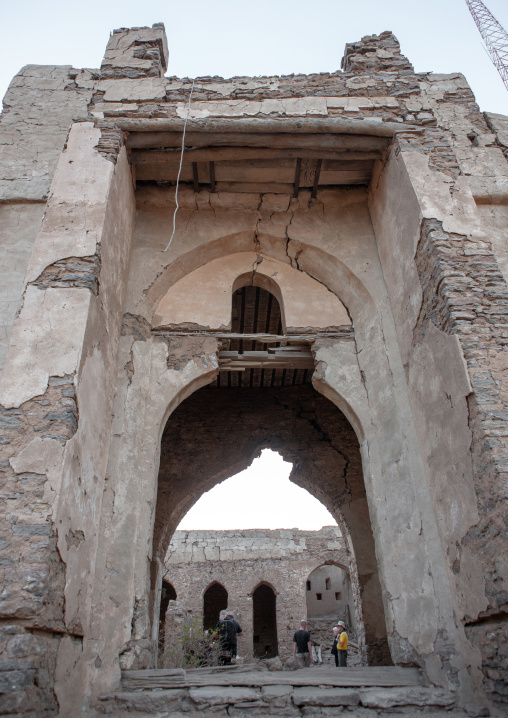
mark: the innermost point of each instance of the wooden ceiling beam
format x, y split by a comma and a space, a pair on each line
298, 169
316, 178
243, 154
195, 176
302, 125
312, 141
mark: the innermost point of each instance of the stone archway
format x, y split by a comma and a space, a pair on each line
363, 378
264, 622
217, 432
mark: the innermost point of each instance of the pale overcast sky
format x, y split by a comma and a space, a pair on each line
229, 37
260, 497
266, 37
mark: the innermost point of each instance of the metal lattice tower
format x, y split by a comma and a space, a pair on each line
494, 34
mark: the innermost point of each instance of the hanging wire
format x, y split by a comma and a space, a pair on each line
180, 168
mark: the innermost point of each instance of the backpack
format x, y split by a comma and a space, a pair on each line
227, 631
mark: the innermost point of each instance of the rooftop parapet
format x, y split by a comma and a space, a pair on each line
136, 52
375, 53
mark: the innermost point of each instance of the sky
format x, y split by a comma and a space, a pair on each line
232, 37
266, 37
263, 497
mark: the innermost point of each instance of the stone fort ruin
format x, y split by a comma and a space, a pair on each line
335, 290
270, 580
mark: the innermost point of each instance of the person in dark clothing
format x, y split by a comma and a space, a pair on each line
228, 630
301, 644
336, 631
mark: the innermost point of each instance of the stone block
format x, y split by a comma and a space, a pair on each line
223, 695
325, 697
16, 680
270, 693
150, 701
402, 696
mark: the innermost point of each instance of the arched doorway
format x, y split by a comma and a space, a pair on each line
218, 431
354, 373
254, 404
215, 599
265, 644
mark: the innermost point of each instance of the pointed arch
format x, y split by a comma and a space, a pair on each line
264, 622
215, 600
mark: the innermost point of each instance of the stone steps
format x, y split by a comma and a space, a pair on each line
367, 692
385, 676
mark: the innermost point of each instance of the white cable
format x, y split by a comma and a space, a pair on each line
180, 168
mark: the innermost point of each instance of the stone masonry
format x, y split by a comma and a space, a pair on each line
335, 290
241, 561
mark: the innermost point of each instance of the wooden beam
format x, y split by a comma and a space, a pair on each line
312, 141
255, 187
298, 169
266, 360
195, 176
212, 177
343, 332
233, 183
316, 179
306, 125
157, 155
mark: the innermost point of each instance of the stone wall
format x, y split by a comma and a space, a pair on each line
417, 261
241, 561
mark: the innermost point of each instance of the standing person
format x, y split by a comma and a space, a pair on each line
342, 644
301, 644
336, 631
228, 630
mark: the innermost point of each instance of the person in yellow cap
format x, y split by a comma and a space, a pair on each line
342, 644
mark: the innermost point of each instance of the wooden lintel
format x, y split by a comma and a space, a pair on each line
263, 360
212, 176
195, 176
298, 169
305, 125
312, 141
316, 178
344, 332
161, 155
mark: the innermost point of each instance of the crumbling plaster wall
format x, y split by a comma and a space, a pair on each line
377, 73
56, 394
242, 560
370, 384
450, 320
331, 239
38, 109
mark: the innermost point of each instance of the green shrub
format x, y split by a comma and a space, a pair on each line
194, 648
